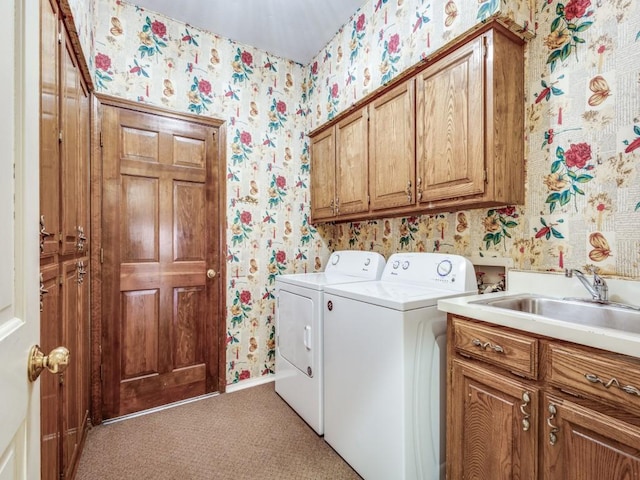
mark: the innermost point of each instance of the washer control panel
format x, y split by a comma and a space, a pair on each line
443, 271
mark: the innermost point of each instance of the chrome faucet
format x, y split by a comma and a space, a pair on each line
599, 290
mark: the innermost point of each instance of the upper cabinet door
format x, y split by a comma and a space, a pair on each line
352, 159
323, 175
451, 125
392, 154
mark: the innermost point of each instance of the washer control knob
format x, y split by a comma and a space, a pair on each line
335, 258
396, 264
444, 268
405, 264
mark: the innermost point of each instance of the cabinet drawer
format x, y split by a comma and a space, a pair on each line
614, 379
515, 352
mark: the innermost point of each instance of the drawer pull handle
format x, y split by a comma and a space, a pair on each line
409, 192
496, 348
631, 390
526, 398
553, 438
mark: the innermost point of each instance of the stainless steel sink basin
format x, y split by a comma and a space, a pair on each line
614, 316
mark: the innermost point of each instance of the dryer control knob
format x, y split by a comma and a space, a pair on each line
335, 259
405, 264
396, 264
367, 262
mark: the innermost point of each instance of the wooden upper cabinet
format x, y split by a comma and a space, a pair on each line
352, 161
470, 124
450, 125
392, 158
446, 135
323, 175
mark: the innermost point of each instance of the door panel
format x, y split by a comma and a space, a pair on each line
159, 211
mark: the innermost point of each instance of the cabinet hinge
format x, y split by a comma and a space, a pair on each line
59, 37
60, 136
101, 144
101, 255
368, 200
485, 177
485, 48
61, 280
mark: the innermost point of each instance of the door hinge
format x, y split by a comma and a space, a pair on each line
101, 144
101, 255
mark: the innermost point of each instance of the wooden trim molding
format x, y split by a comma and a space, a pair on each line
69, 23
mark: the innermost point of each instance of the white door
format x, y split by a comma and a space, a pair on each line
19, 257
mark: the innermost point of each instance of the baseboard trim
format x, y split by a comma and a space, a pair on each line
251, 382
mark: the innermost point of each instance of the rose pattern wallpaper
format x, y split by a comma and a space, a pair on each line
582, 134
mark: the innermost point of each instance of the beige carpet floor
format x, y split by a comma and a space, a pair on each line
247, 434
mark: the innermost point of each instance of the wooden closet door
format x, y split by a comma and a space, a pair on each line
160, 236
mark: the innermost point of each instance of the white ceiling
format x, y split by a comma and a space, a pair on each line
293, 29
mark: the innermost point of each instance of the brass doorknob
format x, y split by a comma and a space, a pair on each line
56, 362
211, 273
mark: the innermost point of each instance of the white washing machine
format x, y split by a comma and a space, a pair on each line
299, 328
385, 350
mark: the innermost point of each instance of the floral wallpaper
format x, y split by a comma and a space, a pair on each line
143, 56
582, 133
582, 130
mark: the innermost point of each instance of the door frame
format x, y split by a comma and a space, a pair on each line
98, 100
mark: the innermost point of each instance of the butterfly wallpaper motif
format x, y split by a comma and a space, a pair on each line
582, 133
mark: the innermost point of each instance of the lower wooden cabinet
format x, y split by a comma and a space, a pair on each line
574, 416
586, 443
494, 436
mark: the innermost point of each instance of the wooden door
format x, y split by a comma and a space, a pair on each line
581, 443
352, 160
323, 175
450, 125
487, 435
160, 236
392, 153
19, 302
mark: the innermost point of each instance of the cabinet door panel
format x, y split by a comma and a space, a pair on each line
70, 85
352, 157
588, 445
49, 130
492, 425
392, 155
323, 174
450, 125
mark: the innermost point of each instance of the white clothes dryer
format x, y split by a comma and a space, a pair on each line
299, 327
385, 350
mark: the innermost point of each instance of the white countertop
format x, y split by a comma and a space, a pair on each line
553, 285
